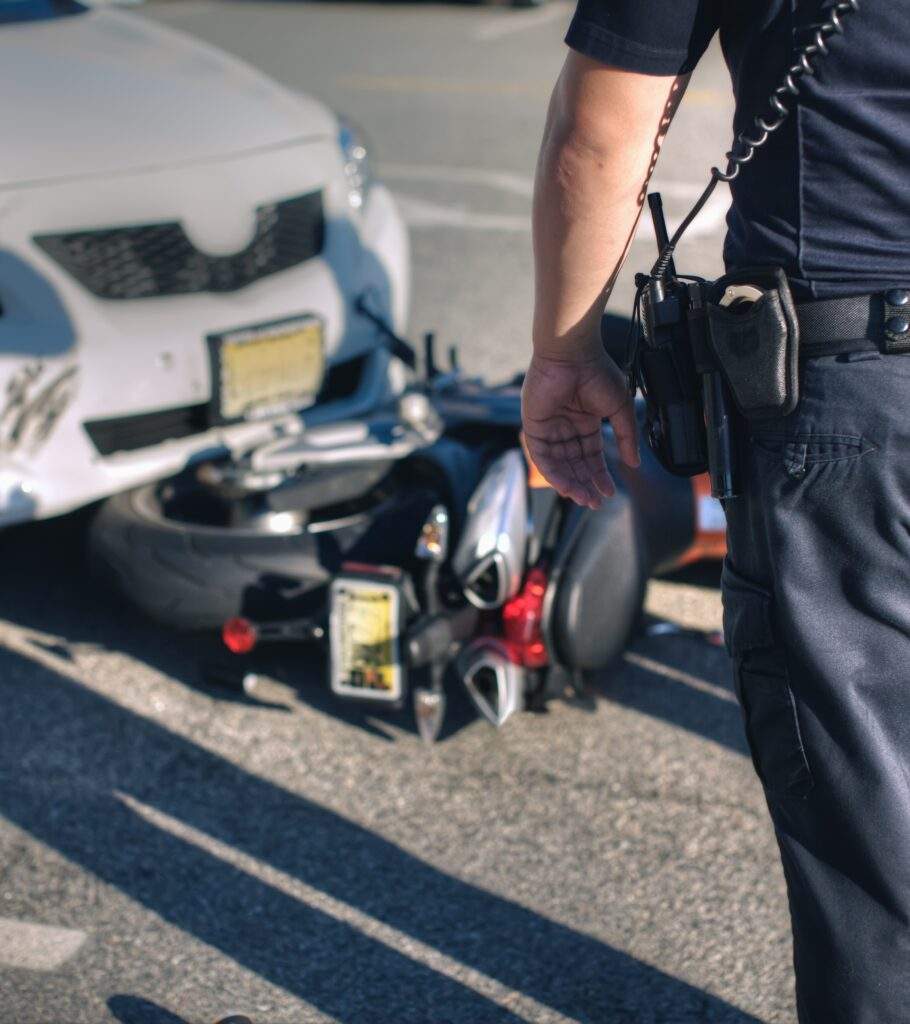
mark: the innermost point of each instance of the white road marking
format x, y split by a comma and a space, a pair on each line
421, 213
498, 27
184, 7
660, 669
505, 181
37, 947
710, 221
424, 213
403, 944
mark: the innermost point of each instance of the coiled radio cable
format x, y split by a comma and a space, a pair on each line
744, 145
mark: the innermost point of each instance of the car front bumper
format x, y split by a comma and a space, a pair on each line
69, 358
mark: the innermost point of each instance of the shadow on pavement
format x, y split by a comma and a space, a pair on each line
133, 1010
67, 602
64, 599
682, 680
92, 781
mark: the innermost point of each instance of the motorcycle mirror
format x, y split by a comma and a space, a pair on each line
433, 542
417, 411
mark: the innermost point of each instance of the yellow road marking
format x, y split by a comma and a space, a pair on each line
707, 98
429, 85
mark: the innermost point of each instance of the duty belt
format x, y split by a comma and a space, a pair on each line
862, 323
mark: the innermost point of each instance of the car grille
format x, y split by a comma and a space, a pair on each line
159, 259
129, 433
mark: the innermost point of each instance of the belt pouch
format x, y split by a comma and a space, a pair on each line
756, 343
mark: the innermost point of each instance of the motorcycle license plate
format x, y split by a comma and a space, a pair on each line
365, 617
267, 369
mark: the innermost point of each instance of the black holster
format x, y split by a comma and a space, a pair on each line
756, 343
666, 372
702, 365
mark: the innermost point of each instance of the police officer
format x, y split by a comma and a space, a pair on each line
816, 585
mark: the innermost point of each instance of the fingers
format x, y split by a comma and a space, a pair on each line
574, 467
564, 485
591, 476
599, 476
550, 469
613, 393
625, 430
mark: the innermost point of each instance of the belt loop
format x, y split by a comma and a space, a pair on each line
795, 459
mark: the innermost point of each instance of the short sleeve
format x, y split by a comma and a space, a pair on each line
654, 37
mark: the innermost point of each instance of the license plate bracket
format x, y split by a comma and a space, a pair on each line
366, 624
266, 369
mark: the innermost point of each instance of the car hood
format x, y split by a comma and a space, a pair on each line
107, 91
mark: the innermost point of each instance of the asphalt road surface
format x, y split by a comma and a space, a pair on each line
169, 851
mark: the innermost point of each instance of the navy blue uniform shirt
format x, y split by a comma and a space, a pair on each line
828, 197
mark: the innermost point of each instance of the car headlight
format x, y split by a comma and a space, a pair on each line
355, 153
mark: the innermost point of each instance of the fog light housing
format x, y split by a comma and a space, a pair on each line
357, 170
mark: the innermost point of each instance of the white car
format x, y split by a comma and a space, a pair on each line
186, 252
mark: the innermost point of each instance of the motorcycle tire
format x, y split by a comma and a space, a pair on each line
598, 579
194, 577
187, 576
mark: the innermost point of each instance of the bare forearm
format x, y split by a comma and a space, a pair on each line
594, 163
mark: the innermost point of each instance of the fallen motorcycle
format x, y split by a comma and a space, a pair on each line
418, 545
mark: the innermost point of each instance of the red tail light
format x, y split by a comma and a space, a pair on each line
521, 622
239, 635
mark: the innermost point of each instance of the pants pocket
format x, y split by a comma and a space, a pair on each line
797, 453
770, 711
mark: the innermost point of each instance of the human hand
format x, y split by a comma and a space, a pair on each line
563, 404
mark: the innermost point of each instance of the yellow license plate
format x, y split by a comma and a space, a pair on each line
364, 639
270, 369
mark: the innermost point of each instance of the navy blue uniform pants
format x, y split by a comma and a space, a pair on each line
816, 590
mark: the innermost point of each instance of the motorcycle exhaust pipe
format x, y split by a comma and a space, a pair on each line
489, 560
495, 684
489, 583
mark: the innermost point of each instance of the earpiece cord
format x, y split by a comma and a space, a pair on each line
632, 341
744, 146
